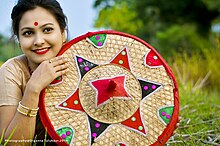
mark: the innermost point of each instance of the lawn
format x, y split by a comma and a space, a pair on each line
198, 81
200, 122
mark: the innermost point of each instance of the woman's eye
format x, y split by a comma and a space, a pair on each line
47, 30
27, 33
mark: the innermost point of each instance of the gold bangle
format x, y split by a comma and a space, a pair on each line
26, 114
27, 107
27, 111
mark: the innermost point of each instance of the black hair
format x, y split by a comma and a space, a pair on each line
24, 5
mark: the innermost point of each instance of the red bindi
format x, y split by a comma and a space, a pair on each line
35, 23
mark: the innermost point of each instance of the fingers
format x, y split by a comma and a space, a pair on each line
60, 65
56, 61
179, 119
62, 72
176, 126
178, 122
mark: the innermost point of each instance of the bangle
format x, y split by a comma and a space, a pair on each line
27, 111
27, 108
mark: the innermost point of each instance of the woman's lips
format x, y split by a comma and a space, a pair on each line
41, 51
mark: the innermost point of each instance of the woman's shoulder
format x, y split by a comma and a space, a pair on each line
13, 78
15, 65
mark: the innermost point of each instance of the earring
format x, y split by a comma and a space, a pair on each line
64, 37
64, 41
19, 45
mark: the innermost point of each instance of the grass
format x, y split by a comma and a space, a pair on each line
200, 112
9, 137
201, 66
199, 100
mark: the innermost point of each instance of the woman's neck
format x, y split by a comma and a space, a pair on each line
31, 66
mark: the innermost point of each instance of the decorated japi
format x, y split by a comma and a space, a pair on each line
119, 91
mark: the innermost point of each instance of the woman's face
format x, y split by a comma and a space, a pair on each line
40, 36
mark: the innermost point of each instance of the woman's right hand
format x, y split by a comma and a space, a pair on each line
47, 71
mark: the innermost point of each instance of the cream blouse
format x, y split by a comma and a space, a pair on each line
14, 75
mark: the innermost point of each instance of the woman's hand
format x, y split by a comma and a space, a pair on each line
177, 125
47, 71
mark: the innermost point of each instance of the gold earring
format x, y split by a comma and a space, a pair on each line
64, 37
19, 45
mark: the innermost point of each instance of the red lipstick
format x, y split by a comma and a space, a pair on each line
41, 51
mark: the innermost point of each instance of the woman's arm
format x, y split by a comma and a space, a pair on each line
25, 126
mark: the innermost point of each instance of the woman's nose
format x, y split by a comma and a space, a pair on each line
39, 40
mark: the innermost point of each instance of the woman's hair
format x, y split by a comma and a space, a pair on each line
23, 6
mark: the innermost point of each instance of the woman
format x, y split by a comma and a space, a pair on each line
40, 29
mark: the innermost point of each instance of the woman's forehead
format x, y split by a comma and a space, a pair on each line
38, 16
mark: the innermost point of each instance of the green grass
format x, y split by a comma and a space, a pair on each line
200, 112
202, 67
9, 137
198, 81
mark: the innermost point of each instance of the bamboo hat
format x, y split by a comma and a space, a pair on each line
119, 92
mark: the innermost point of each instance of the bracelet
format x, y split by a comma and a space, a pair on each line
27, 111
27, 107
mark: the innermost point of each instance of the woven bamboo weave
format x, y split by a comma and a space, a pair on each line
115, 111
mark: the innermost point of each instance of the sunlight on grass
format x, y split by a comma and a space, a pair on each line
199, 98
9, 137
1, 138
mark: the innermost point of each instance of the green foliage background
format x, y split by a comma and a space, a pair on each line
8, 48
180, 30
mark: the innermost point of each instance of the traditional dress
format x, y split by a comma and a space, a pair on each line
14, 75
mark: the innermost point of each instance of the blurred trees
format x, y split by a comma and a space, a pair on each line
8, 48
181, 30
169, 26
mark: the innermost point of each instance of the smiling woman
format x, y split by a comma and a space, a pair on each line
38, 40
39, 26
